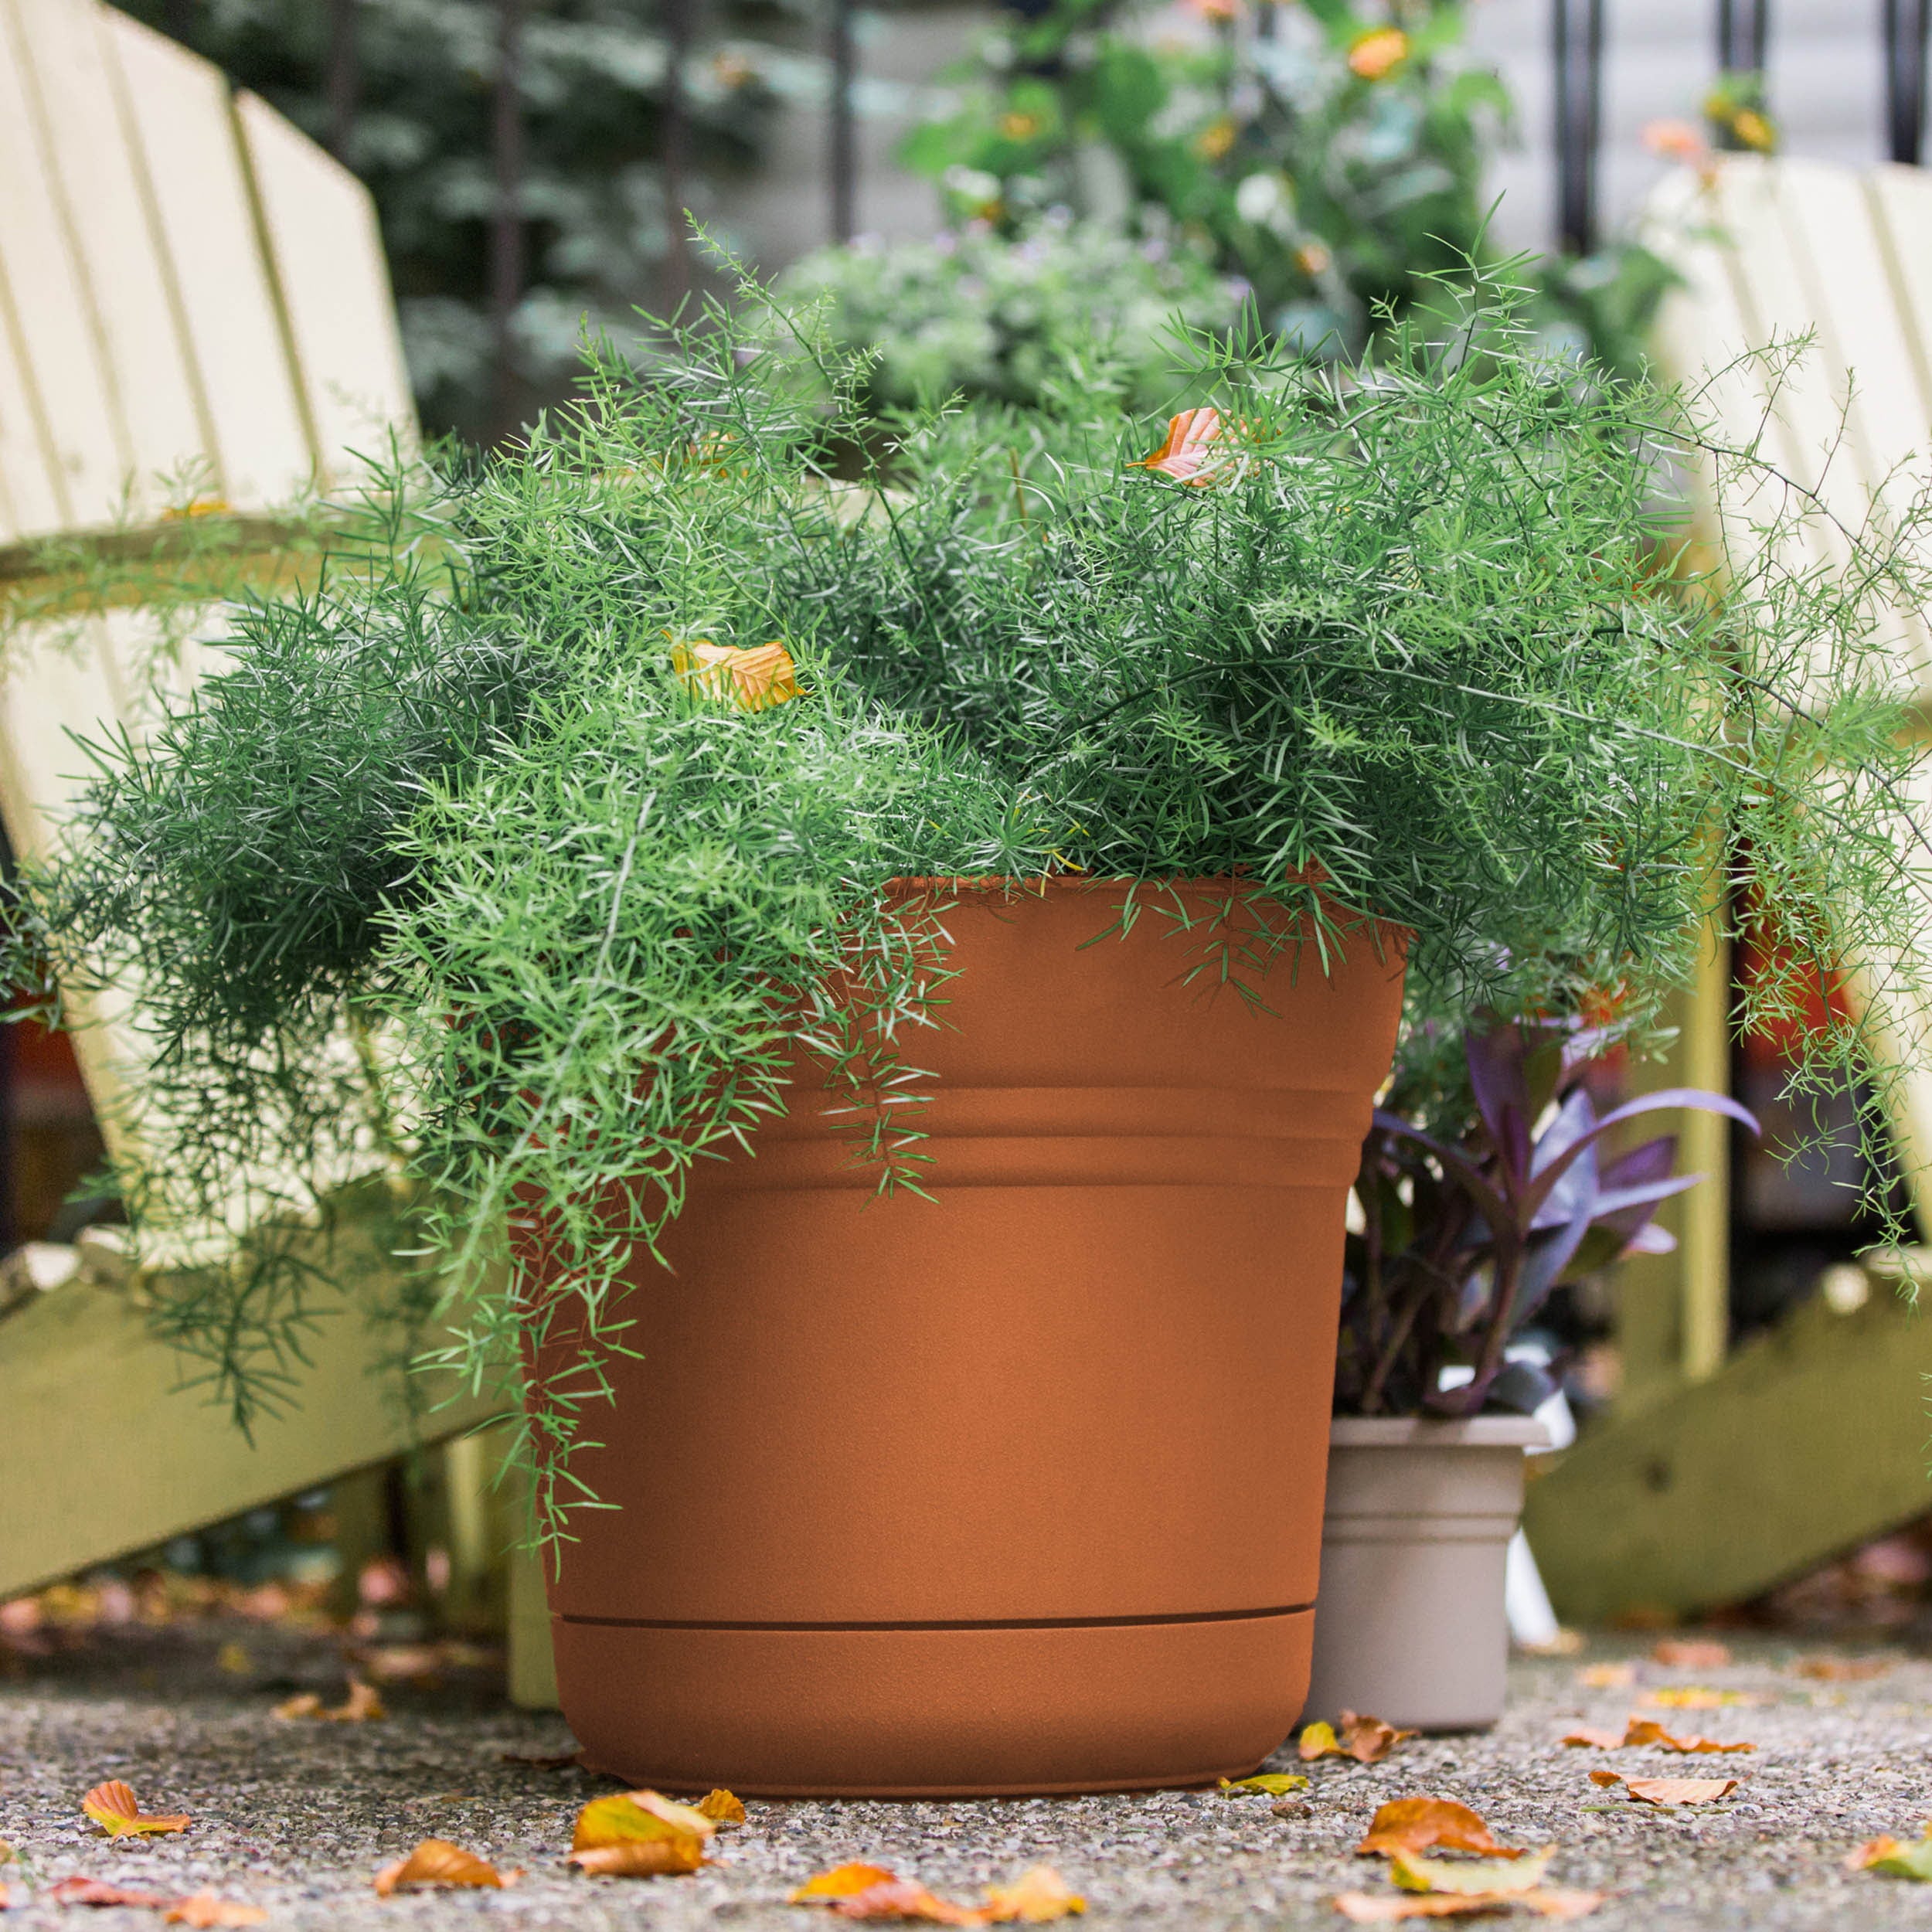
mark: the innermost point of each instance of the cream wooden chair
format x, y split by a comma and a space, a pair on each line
193, 299
1733, 1470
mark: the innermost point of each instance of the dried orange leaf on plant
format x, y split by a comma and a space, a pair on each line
1489, 1878
628, 1815
114, 1806
843, 1882
642, 1857
723, 1808
436, 1862
1691, 1653
902, 1899
79, 1891
1037, 1895
1413, 1824
1270, 1783
1187, 454
753, 680
204, 1909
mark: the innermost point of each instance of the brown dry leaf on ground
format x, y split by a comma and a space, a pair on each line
640, 1834
1691, 1653
1364, 1909
363, 1705
1669, 1790
204, 1910
1407, 1825
1642, 1731
6, 1899
1271, 1783
843, 1882
1367, 1739
1037, 1895
1895, 1858
79, 1891
436, 1862
114, 1806
304, 1704
723, 1808
1606, 1676
1840, 1670
903, 1898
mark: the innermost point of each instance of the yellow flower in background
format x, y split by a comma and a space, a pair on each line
1378, 52
1754, 131
1214, 139
1017, 127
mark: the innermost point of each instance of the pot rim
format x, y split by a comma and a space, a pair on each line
1436, 1432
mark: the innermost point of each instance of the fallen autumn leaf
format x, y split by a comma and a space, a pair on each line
436, 1862
1691, 1653
843, 1882
1413, 1824
79, 1891
1840, 1670
114, 1806
1894, 1858
1487, 1878
640, 1834
1272, 1783
1646, 1731
1367, 1739
1037, 1895
902, 1899
1606, 1676
204, 1910
363, 1705
639, 1857
723, 1808
1696, 1697
1669, 1790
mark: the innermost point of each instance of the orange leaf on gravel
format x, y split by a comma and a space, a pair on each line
642, 1857
902, 1899
1362, 1908
1606, 1676
1840, 1670
1696, 1697
641, 1817
1597, 1740
1670, 1791
1367, 1739
1037, 1895
363, 1705
114, 1806
843, 1882
1647, 1730
436, 1862
79, 1891
1691, 1653
1471, 1878
204, 1910
1413, 1824
305, 1704
723, 1808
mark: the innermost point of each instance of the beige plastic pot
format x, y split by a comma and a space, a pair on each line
1411, 1625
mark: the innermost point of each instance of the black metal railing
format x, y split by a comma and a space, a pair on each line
1744, 39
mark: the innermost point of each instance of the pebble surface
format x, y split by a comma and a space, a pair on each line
296, 1817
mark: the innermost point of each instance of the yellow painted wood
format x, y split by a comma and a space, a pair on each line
153, 389
532, 1656
103, 1452
28, 500
1704, 1229
1809, 1441
191, 164
320, 230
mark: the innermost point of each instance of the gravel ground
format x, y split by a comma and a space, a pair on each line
296, 1817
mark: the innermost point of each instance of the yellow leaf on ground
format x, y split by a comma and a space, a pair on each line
1317, 1740
1367, 1739
1037, 1895
642, 1857
843, 1882
436, 1862
629, 1816
1895, 1857
305, 1704
1469, 1877
902, 1899
1840, 1670
114, 1806
363, 1705
1670, 1791
204, 1909
1414, 1825
1271, 1783
1696, 1697
723, 1808
1691, 1653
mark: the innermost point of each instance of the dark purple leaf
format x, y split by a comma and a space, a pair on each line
1499, 1077
1541, 1184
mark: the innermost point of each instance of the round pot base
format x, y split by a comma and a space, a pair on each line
975, 1711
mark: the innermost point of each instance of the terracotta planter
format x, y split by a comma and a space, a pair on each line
1414, 1542
1018, 1488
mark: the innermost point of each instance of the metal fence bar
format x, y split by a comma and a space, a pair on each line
1743, 32
341, 79
506, 227
1905, 37
1579, 47
842, 153
677, 153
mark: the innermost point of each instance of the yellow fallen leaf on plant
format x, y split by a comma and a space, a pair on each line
1037, 1895
1272, 1783
436, 1862
1414, 1825
723, 1808
1670, 1791
204, 1910
843, 1882
1691, 1653
753, 680
114, 1806
1468, 1878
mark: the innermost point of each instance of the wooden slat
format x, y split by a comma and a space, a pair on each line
28, 501
191, 171
320, 228
153, 389
50, 318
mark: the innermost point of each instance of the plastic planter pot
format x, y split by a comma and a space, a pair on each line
1415, 1539
1017, 1489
